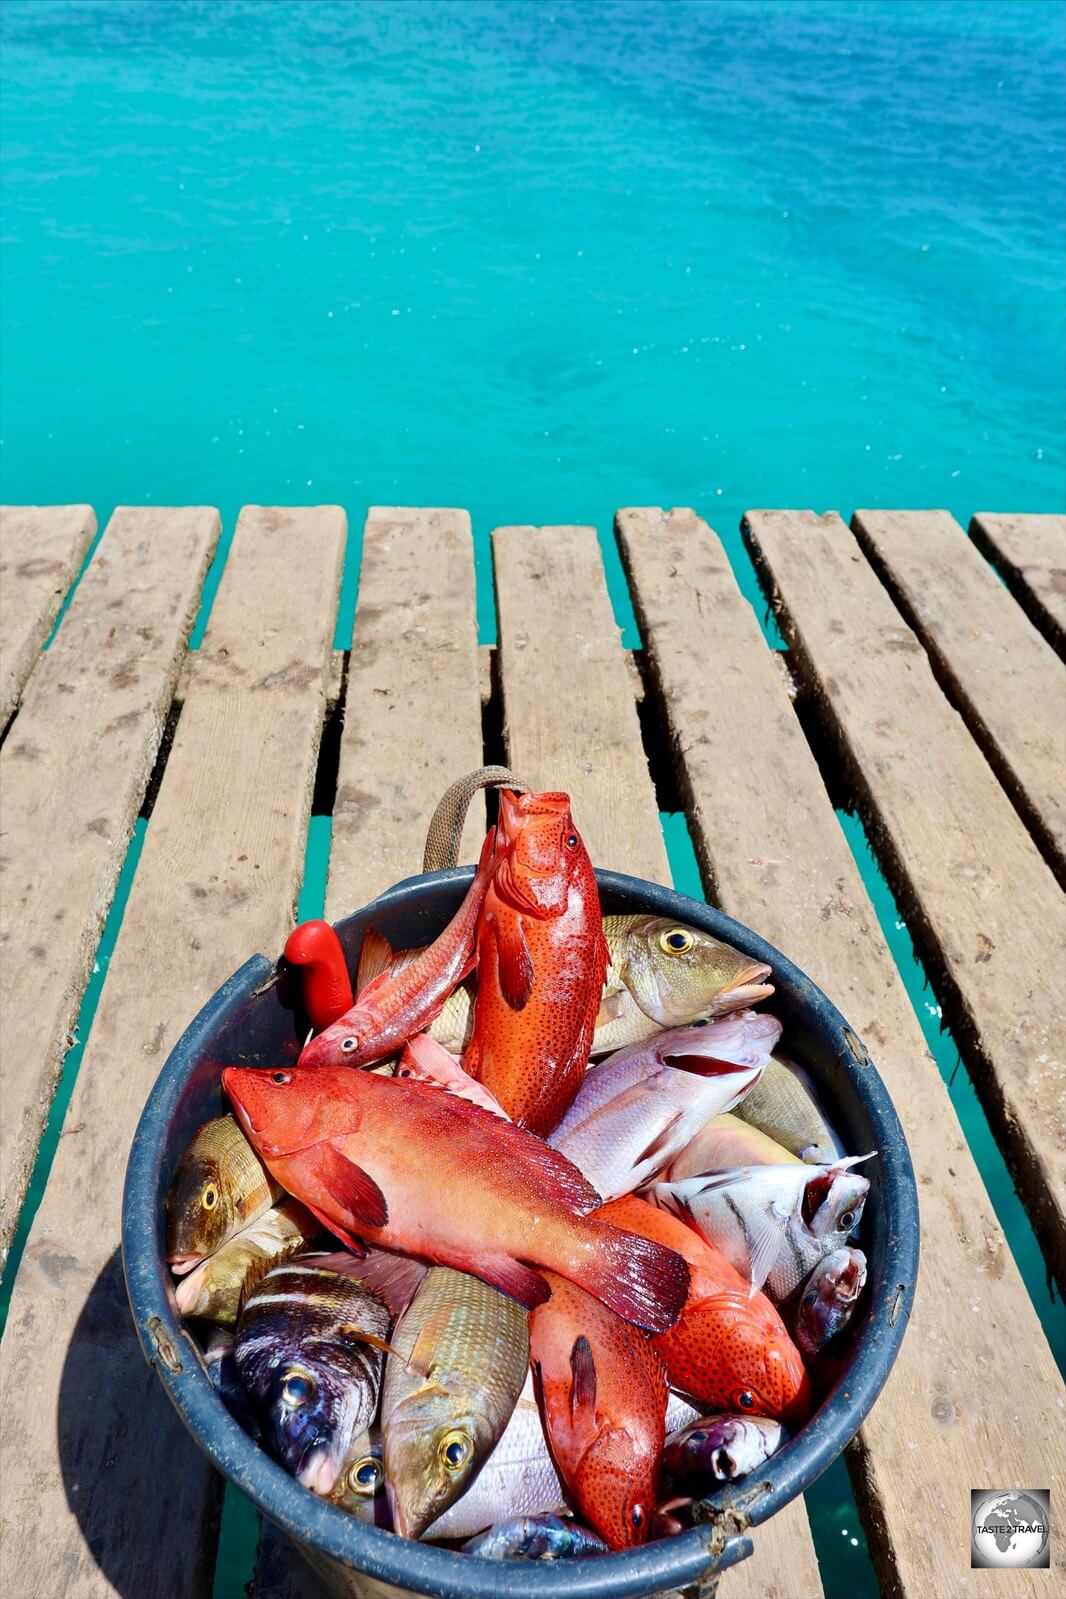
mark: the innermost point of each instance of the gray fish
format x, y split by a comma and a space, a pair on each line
536, 1538
721, 1447
829, 1298
309, 1351
782, 1105
360, 1485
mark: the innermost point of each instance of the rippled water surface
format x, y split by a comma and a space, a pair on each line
536, 260
541, 261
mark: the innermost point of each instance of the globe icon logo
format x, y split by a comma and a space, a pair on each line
1010, 1528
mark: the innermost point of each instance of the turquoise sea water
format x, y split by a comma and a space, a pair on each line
540, 260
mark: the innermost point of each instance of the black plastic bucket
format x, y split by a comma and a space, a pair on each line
240, 1026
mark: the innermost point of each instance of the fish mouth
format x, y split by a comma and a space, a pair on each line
180, 1264
399, 1520
317, 1471
750, 988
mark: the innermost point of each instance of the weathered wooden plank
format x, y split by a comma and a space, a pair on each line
412, 724
41, 550
984, 903
783, 1563
73, 772
570, 720
412, 716
1007, 681
1030, 554
91, 1448
571, 723
767, 836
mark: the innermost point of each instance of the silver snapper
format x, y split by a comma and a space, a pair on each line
720, 1448
642, 1107
757, 1216
536, 1538
829, 1298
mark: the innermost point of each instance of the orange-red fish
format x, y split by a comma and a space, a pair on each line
541, 958
404, 998
315, 950
404, 1165
603, 1392
727, 1352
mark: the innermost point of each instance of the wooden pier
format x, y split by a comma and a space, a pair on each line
923, 684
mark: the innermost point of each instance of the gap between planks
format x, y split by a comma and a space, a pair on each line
218, 879
764, 825
981, 898
74, 771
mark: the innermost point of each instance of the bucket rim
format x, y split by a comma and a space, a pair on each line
716, 1542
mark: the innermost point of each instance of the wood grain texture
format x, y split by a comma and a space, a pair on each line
93, 1459
1029, 552
570, 720
766, 833
1006, 680
412, 716
983, 903
783, 1563
41, 551
73, 772
573, 725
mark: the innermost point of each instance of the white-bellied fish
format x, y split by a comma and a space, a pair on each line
309, 1350
773, 1223
725, 1143
638, 1110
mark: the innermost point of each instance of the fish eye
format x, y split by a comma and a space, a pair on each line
636, 1517
209, 1197
677, 941
456, 1449
809, 1299
847, 1220
296, 1390
571, 841
366, 1476
281, 1077
746, 1399
348, 1044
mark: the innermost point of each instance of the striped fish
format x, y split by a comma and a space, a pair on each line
309, 1349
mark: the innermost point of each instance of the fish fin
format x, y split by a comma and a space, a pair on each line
568, 1187
365, 1337
351, 1187
644, 1282
514, 963
420, 1359
583, 1378
331, 1226
379, 962
612, 1006
518, 1282
765, 1233
661, 1141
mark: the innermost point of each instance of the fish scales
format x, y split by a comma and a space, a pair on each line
461, 1357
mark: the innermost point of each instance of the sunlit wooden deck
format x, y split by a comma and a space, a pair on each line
917, 684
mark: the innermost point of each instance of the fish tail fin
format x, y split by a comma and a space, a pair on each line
644, 1282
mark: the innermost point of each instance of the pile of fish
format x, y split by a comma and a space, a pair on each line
541, 1236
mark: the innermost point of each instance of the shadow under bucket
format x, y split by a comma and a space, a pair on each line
240, 1026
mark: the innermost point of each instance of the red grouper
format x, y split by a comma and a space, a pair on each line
603, 1391
408, 1166
542, 959
404, 998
